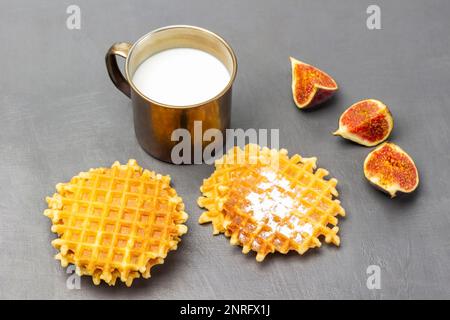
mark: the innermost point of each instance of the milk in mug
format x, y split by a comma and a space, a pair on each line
181, 77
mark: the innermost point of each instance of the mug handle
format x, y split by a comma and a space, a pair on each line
118, 49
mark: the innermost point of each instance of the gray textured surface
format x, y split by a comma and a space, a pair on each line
60, 114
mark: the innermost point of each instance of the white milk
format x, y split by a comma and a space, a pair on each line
181, 76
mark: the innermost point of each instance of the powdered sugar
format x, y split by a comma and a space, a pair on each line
275, 205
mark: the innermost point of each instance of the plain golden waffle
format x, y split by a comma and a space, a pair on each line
215, 188
266, 205
116, 222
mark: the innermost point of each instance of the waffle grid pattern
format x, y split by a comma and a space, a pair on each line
225, 199
116, 222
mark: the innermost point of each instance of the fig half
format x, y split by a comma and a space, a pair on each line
310, 86
367, 122
391, 169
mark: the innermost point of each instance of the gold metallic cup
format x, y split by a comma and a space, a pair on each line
154, 122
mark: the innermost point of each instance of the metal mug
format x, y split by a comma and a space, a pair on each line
154, 122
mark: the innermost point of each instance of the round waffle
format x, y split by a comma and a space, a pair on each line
266, 201
116, 222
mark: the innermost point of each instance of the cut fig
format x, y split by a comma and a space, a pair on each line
391, 169
367, 122
310, 86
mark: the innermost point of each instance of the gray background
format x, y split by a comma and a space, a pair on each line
60, 115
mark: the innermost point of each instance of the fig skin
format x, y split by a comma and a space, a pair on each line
399, 173
375, 128
318, 84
